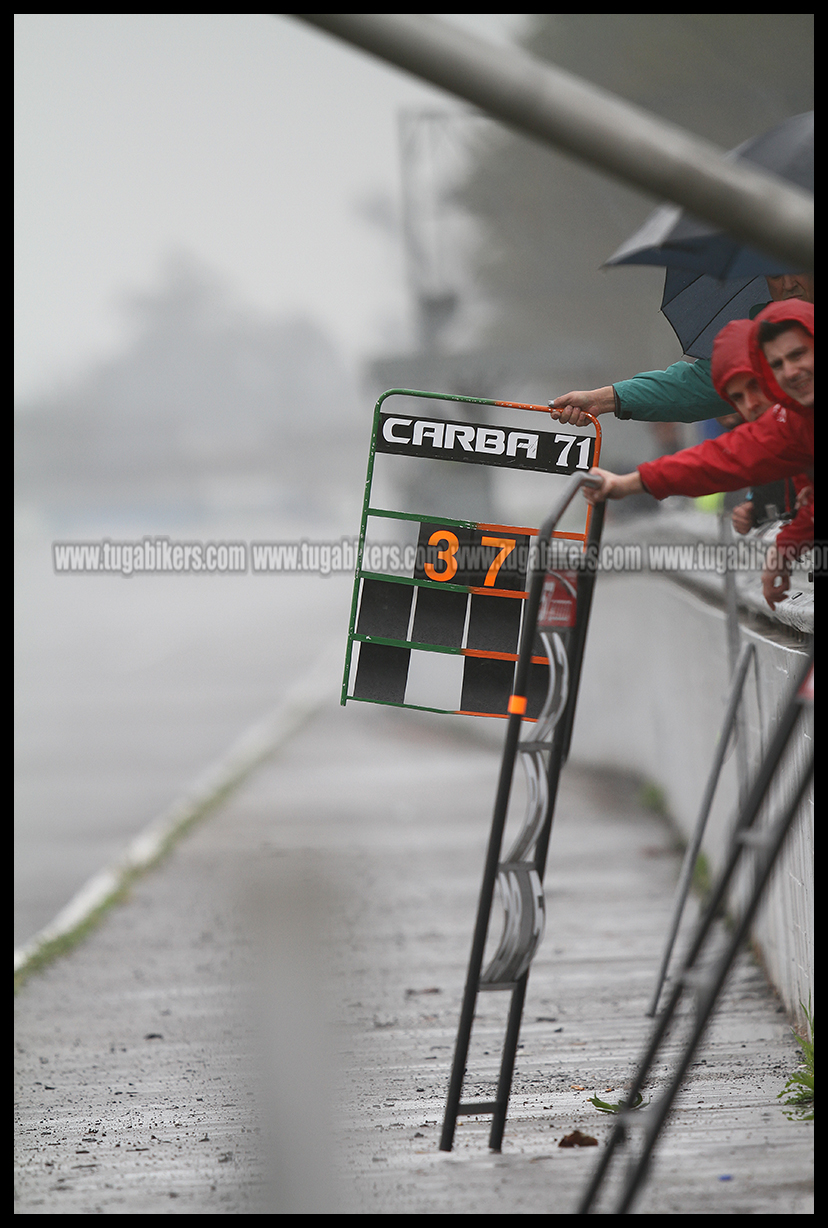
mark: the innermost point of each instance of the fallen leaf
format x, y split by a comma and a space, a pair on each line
604, 1107
577, 1139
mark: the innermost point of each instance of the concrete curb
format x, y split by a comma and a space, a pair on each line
300, 702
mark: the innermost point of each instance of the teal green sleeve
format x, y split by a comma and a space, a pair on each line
682, 393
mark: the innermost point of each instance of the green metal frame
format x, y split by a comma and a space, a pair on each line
415, 517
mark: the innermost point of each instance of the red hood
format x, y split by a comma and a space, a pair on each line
791, 309
731, 354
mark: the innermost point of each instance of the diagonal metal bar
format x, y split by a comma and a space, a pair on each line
564, 111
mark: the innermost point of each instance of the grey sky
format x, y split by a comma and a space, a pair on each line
247, 140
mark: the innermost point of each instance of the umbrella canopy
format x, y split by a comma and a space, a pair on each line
674, 238
698, 306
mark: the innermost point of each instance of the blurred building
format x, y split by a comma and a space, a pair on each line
207, 405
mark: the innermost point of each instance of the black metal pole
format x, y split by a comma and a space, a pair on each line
586, 587
481, 927
501, 806
507, 1062
563, 733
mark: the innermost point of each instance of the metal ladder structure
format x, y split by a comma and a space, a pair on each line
557, 599
756, 842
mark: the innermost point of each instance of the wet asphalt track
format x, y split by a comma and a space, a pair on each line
267, 1023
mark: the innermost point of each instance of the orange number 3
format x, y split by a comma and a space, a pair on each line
447, 555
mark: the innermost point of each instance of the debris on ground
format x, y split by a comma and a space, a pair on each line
577, 1139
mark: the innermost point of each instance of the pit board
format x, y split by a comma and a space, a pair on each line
438, 604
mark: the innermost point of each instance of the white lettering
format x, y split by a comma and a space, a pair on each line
490, 439
516, 440
434, 429
388, 429
463, 434
567, 441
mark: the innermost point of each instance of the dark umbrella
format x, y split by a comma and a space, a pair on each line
712, 278
697, 307
674, 238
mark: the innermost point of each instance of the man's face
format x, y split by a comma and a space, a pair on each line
791, 359
791, 285
745, 394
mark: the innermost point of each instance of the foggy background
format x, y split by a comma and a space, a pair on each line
233, 232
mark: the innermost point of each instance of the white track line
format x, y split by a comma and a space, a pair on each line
257, 743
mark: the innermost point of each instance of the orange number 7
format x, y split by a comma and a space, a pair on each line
507, 545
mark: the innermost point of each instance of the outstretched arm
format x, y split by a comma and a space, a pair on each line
613, 485
682, 393
573, 407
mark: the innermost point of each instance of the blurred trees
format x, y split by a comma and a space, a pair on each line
545, 222
204, 392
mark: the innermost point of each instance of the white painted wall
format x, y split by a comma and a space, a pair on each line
653, 694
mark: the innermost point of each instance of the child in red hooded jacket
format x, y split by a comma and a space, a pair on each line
778, 443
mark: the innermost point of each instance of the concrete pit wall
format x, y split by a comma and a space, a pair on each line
653, 695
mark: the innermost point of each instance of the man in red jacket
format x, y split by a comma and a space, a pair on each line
779, 443
784, 353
